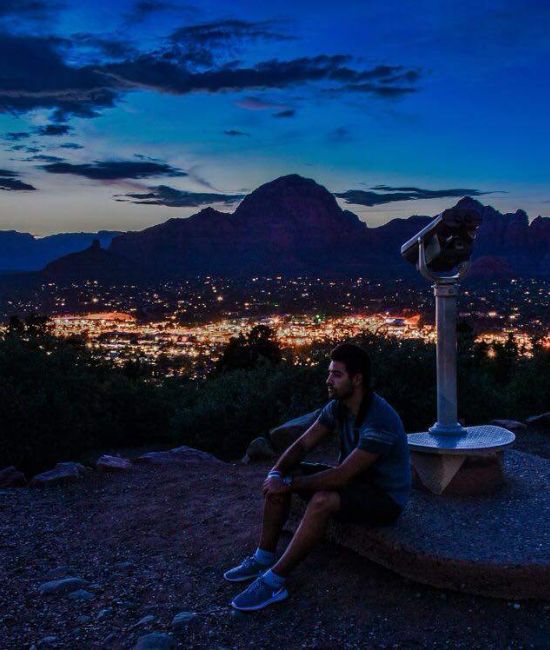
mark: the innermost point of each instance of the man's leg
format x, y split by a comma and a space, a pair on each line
310, 531
276, 510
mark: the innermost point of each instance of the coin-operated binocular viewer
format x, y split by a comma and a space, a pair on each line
441, 251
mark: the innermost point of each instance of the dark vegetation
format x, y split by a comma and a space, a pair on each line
58, 401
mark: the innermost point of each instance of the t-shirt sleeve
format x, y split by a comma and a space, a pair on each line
327, 416
376, 440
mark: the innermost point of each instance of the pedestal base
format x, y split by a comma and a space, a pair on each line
457, 475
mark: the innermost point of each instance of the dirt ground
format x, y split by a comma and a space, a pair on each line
155, 541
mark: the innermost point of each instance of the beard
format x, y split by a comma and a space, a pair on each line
342, 393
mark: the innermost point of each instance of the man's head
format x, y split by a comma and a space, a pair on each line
349, 372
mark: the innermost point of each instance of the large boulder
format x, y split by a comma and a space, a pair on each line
11, 477
541, 421
259, 449
112, 464
178, 455
62, 474
285, 434
511, 425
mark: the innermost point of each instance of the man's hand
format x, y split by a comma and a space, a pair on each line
274, 487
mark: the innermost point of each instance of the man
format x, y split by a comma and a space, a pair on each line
370, 485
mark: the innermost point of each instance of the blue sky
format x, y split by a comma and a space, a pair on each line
123, 114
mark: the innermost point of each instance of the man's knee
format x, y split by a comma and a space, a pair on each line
324, 502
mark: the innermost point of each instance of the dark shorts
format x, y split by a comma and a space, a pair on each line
361, 503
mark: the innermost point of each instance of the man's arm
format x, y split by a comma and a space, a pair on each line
337, 477
302, 446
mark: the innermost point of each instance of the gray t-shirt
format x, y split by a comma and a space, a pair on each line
381, 432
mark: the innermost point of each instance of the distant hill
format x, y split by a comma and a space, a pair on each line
23, 252
294, 226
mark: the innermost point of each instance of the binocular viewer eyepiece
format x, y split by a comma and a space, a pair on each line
448, 239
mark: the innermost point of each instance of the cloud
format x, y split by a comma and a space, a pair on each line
41, 75
236, 132
54, 129
341, 134
171, 197
145, 9
14, 136
29, 10
114, 169
40, 78
9, 182
151, 72
203, 44
393, 194
257, 104
45, 158
71, 145
290, 112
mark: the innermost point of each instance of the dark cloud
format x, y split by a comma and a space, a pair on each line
91, 46
203, 44
9, 182
71, 145
53, 129
40, 78
164, 76
145, 9
114, 169
236, 132
171, 197
13, 136
259, 104
25, 148
393, 194
288, 113
34, 10
341, 134
46, 158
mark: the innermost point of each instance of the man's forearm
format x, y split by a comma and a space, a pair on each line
329, 479
291, 457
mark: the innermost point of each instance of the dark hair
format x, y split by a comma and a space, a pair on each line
355, 359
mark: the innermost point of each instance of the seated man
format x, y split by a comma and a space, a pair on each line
370, 485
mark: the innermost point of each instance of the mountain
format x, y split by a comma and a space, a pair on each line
293, 226
93, 262
24, 252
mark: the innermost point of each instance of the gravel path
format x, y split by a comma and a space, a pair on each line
153, 543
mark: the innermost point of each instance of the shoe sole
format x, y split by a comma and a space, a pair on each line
275, 599
243, 578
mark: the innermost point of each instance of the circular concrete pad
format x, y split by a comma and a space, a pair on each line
497, 545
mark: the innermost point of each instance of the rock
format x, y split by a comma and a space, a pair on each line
103, 613
63, 586
541, 421
48, 641
155, 641
512, 425
11, 477
285, 434
112, 464
182, 620
124, 566
62, 473
82, 471
177, 455
83, 619
146, 620
81, 594
259, 449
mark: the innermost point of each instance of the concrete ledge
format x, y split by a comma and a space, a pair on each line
497, 545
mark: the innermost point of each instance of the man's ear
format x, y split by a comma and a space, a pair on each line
357, 379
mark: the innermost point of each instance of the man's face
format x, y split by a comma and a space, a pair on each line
339, 383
